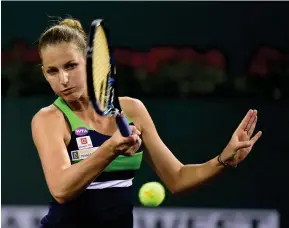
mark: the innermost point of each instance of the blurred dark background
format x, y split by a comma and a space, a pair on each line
197, 66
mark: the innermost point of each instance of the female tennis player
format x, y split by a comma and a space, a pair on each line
89, 167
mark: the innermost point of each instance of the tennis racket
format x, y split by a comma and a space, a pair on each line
101, 76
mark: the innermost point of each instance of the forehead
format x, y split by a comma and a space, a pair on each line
57, 54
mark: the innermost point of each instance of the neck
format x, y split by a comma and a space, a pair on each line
84, 109
79, 105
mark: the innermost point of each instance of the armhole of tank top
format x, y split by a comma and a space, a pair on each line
129, 120
65, 117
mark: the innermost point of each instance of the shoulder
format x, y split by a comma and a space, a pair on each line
131, 106
134, 109
49, 115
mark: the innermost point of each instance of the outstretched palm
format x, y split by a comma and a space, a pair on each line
242, 141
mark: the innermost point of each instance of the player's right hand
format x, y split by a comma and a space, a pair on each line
127, 146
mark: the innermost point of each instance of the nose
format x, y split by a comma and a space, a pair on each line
64, 77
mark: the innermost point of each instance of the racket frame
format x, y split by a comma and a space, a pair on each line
114, 109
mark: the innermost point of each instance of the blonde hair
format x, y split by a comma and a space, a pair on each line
66, 31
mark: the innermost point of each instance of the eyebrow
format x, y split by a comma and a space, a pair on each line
68, 62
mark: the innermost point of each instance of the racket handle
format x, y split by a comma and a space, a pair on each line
123, 125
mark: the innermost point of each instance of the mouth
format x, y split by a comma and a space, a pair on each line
68, 90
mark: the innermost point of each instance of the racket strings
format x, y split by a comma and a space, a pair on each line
101, 68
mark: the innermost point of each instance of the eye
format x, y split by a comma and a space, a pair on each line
71, 66
52, 71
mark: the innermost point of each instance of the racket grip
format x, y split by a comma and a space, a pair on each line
123, 125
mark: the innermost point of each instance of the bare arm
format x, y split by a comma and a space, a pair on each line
65, 181
177, 177
165, 164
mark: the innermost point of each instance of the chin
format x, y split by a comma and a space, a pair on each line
71, 97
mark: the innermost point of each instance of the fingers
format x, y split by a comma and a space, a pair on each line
133, 137
256, 137
131, 143
247, 144
130, 140
246, 120
133, 149
243, 145
252, 127
128, 144
134, 130
251, 121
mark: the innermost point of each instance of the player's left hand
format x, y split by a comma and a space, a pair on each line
242, 141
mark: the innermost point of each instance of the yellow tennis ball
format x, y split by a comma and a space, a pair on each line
151, 194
